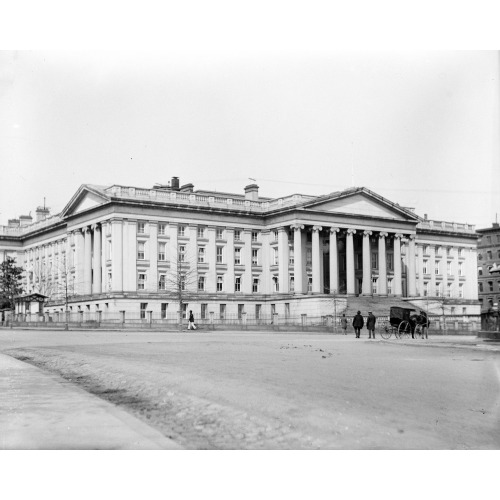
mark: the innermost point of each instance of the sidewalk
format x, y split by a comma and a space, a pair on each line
459, 341
39, 411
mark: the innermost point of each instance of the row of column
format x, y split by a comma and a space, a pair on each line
350, 267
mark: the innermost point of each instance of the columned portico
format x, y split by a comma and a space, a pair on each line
334, 261
412, 287
97, 259
316, 267
382, 264
283, 259
87, 270
297, 257
367, 274
351, 290
397, 265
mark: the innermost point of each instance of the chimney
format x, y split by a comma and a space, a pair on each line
425, 216
175, 184
252, 192
25, 220
42, 213
13, 222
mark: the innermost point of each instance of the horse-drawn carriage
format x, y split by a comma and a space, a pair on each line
404, 322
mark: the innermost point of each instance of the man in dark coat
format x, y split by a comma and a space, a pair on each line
357, 324
370, 324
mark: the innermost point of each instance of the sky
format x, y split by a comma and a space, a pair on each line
420, 128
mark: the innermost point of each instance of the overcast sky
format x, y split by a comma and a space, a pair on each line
420, 128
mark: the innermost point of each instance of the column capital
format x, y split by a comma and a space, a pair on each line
297, 227
367, 232
351, 231
282, 229
96, 227
411, 237
334, 230
383, 234
399, 236
317, 228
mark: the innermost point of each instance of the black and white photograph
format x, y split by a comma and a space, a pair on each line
214, 252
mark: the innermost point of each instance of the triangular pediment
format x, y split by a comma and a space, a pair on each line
85, 198
361, 203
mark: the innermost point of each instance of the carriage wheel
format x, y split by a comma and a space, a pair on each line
404, 329
385, 332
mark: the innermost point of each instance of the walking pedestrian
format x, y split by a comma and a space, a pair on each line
343, 324
191, 325
358, 323
370, 324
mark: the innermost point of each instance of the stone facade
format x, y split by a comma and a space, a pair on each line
122, 248
489, 266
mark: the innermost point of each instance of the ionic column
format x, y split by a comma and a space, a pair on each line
349, 255
79, 262
152, 282
97, 287
211, 259
87, 269
382, 265
397, 265
316, 266
412, 278
283, 258
246, 257
334, 261
297, 258
117, 255
230, 275
367, 273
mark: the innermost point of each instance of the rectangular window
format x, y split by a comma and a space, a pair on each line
309, 284
220, 281
426, 289
182, 253
292, 284
140, 250
181, 230
255, 257
308, 257
374, 285
141, 227
255, 285
204, 308
184, 311
144, 306
426, 249
109, 280
291, 256
425, 266
163, 312
480, 288
183, 281
241, 310
448, 251
237, 235
489, 255
275, 235
275, 256
222, 311
219, 234
490, 286
389, 286
460, 268
162, 280
438, 290
460, 252
258, 311
374, 260
141, 280
449, 288
287, 310
201, 283
161, 229
237, 256
390, 261
201, 232
237, 284
201, 255
448, 268
276, 284
161, 251
219, 255
461, 291
436, 267
255, 235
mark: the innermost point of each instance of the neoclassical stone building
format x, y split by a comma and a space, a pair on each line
120, 248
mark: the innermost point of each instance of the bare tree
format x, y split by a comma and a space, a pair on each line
181, 280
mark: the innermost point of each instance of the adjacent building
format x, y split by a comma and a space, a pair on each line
488, 270
120, 248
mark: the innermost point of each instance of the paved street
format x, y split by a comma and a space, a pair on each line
237, 390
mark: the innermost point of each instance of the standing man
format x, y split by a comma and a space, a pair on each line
358, 323
370, 324
343, 323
